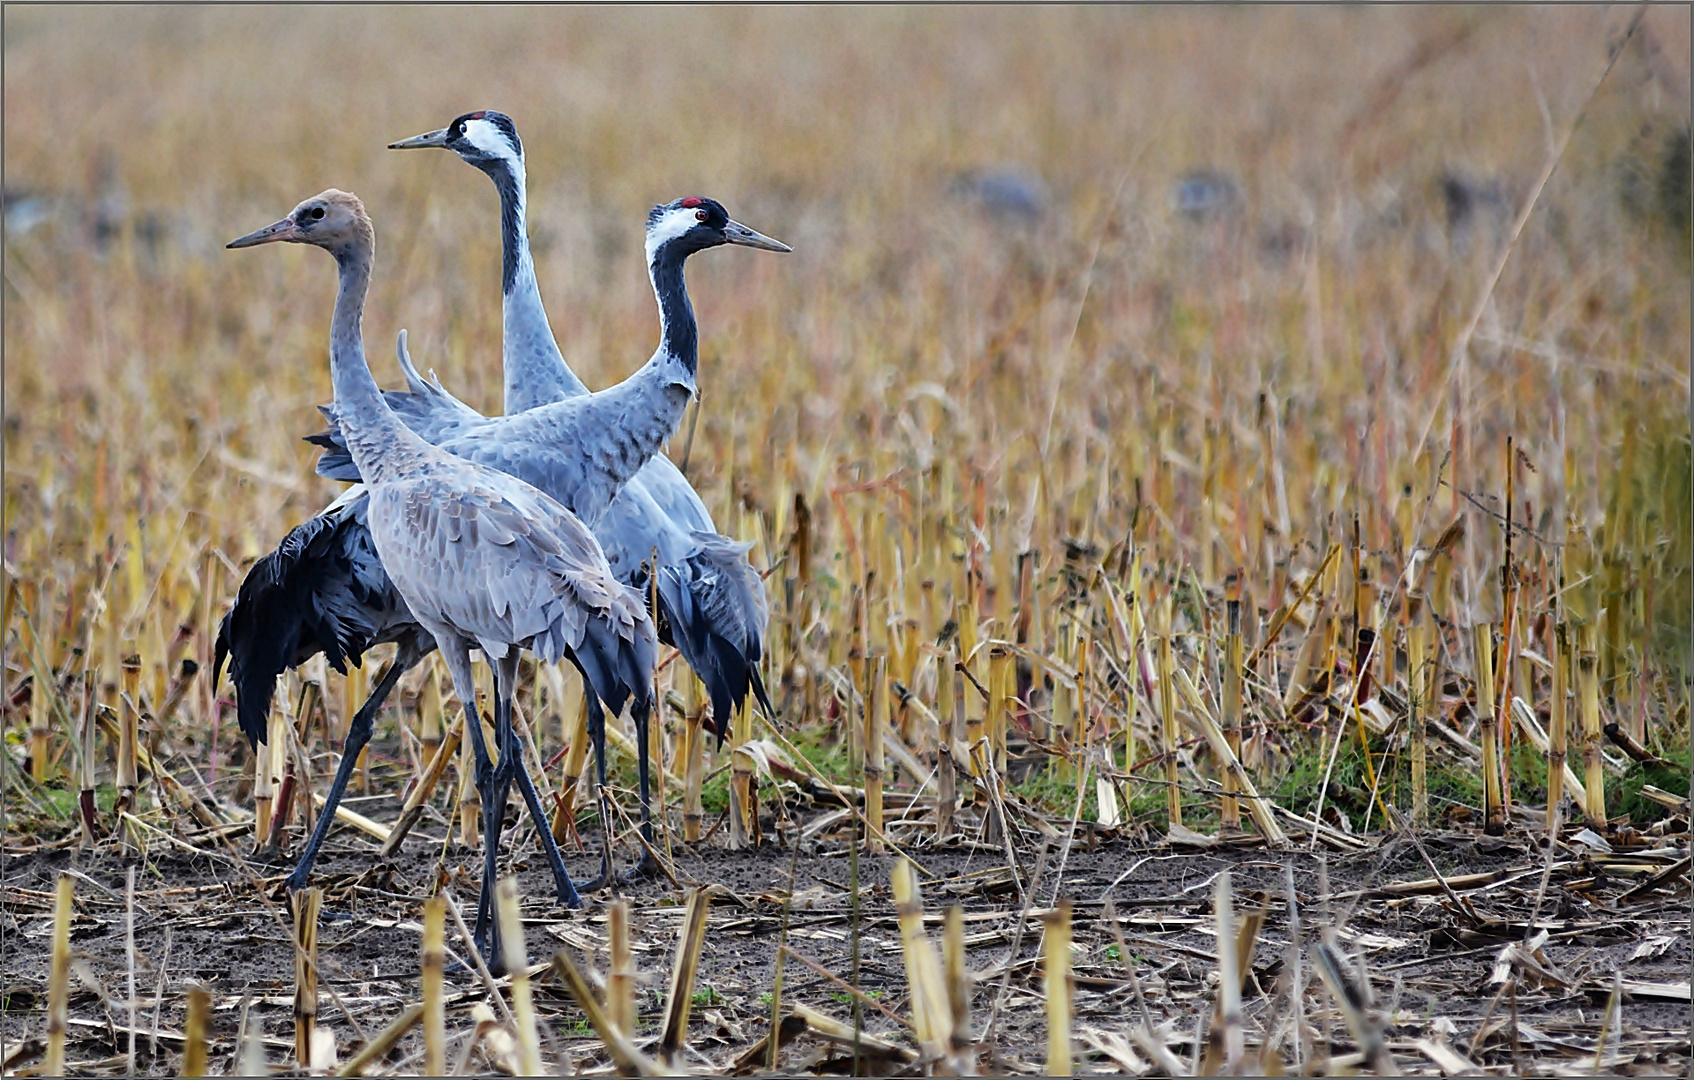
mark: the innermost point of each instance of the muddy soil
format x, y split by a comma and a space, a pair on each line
218, 919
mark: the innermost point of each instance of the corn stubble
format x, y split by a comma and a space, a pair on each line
1056, 506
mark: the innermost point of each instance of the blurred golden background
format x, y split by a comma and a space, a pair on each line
1059, 274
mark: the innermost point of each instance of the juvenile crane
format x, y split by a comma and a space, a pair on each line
584, 451
711, 601
480, 558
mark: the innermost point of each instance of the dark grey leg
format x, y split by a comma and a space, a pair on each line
358, 734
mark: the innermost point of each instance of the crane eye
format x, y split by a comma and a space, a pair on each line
317, 213
462, 126
700, 215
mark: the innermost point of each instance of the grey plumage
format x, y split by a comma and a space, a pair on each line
482, 559
655, 508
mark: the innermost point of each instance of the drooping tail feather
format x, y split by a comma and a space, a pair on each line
714, 606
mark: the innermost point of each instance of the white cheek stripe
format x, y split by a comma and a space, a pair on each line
672, 225
486, 137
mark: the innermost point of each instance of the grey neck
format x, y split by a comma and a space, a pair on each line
535, 369
378, 441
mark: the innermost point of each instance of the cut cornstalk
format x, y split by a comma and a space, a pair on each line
693, 758
85, 767
434, 997
129, 733
59, 978
1258, 806
958, 992
1167, 717
306, 904
382, 1042
40, 725
683, 971
1229, 975
1568, 783
516, 960
930, 1019
1231, 708
951, 710
1056, 985
415, 802
743, 810
1556, 723
620, 981
194, 1041
965, 615
576, 755
470, 809
353, 690
1493, 813
1002, 692
264, 779
876, 722
1418, 698
430, 732
1588, 698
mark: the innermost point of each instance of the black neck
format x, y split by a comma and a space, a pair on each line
679, 335
511, 220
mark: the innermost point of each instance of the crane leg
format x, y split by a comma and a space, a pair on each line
526, 787
358, 734
456, 652
597, 735
648, 866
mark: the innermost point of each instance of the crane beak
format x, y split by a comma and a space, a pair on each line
270, 234
419, 142
737, 233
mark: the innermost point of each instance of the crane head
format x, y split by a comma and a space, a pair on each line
331, 219
695, 224
483, 138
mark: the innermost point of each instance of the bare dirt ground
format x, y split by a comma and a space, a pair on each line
1430, 956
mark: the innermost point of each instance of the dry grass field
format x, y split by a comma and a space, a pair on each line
1369, 326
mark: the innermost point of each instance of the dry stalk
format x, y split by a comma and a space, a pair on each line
744, 809
950, 700
1056, 983
194, 1044
876, 722
1002, 692
1352, 999
306, 904
129, 733
430, 716
620, 981
961, 1059
1226, 1035
693, 755
629, 1060
931, 1018
1231, 710
1167, 715
470, 810
683, 972
1258, 806
1556, 723
434, 995
1494, 817
576, 754
89, 813
59, 978
1418, 702
515, 959
129, 957
413, 809
1588, 697
384, 1041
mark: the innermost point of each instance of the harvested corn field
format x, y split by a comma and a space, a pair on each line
1220, 483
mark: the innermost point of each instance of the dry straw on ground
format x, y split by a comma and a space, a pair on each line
1221, 460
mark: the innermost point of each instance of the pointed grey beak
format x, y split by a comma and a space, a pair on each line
270, 234
419, 142
737, 233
